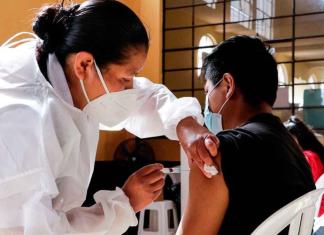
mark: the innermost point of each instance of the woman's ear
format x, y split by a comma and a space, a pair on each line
83, 65
230, 83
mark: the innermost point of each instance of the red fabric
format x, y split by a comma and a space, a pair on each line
315, 164
317, 169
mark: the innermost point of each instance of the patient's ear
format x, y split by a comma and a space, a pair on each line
230, 84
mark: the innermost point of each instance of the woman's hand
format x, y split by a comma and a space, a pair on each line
144, 186
199, 144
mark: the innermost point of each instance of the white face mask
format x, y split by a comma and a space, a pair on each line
213, 121
112, 108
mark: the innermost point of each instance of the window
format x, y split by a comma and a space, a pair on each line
204, 49
242, 11
211, 4
312, 79
264, 10
282, 75
294, 28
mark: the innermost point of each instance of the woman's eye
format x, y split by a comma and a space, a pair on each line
126, 80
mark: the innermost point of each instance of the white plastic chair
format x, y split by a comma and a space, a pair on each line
162, 219
299, 215
320, 182
319, 221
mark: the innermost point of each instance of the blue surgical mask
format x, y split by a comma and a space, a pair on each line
213, 121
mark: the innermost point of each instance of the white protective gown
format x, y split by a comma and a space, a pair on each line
48, 149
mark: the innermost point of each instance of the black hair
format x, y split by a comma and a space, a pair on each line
305, 136
253, 68
105, 28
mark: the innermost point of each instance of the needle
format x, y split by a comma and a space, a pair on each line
171, 170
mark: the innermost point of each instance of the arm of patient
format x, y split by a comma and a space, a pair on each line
207, 203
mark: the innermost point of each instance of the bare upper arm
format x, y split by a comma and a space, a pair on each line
207, 203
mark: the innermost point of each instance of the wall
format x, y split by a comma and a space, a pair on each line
17, 16
150, 13
164, 149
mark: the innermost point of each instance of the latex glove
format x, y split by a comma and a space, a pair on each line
144, 186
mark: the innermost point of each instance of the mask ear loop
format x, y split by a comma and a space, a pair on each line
101, 78
220, 110
209, 93
9, 43
206, 104
84, 91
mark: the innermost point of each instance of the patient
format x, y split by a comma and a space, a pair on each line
260, 167
311, 147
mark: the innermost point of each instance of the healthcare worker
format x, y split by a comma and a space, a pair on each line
54, 91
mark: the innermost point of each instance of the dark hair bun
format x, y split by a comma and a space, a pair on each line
51, 25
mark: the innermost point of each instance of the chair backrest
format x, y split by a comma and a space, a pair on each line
299, 215
320, 182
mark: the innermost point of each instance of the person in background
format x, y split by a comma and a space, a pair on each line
261, 169
311, 147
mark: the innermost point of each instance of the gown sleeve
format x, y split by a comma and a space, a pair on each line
28, 187
160, 111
